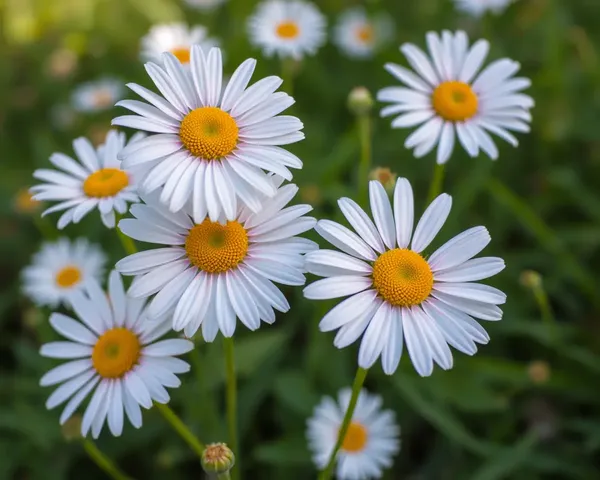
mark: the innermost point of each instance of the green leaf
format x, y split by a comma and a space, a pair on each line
293, 390
285, 452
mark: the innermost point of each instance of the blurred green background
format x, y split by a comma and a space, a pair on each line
525, 407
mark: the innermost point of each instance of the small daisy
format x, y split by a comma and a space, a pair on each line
113, 351
176, 38
448, 98
60, 269
212, 143
477, 8
371, 442
230, 265
97, 180
398, 293
204, 5
358, 35
97, 96
287, 28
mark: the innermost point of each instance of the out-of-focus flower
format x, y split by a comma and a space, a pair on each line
360, 35
384, 176
97, 96
62, 63
539, 371
311, 194
204, 5
24, 203
477, 8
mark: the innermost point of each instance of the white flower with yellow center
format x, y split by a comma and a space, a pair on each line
204, 5
448, 98
370, 443
176, 38
60, 269
212, 143
290, 29
97, 96
478, 7
359, 35
214, 271
114, 352
97, 180
396, 292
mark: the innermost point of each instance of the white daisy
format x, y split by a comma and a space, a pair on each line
478, 7
113, 351
212, 143
395, 291
98, 95
96, 180
359, 35
176, 38
449, 99
204, 5
230, 265
287, 28
371, 442
60, 269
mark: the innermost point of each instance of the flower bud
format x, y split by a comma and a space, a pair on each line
531, 279
539, 371
71, 429
360, 101
217, 458
384, 176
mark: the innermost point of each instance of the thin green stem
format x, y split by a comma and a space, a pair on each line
231, 402
288, 71
359, 379
103, 462
435, 188
364, 135
544, 305
127, 242
184, 432
224, 476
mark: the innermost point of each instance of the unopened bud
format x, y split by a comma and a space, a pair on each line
384, 176
71, 429
531, 279
217, 458
539, 371
24, 203
360, 101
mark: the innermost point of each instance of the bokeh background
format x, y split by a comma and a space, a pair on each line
525, 407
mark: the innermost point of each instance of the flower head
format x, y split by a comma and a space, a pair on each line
449, 99
477, 8
289, 29
97, 96
370, 443
360, 35
97, 180
396, 293
217, 458
24, 203
113, 352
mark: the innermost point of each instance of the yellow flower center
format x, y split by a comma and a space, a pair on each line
182, 54
216, 248
356, 438
454, 101
209, 133
365, 33
116, 352
102, 98
288, 29
402, 277
68, 276
106, 182
24, 202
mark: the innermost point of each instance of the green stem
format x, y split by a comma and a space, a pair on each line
288, 70
184, 432
544, 305
103, 462
231, 402
224, 476
364, 135
359, 379
127, 242
435, 188
47, 230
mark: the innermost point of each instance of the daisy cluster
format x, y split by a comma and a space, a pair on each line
205, 179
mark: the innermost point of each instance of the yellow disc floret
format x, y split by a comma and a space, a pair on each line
402, 277
116, 352
209, 133
288, 30
356, 438
182, 54
365, 33
68, 276
216, 248
106, 182
455, 101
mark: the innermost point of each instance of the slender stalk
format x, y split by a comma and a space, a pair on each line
288, 70
224, 476
364, 135
103, 462
184, 432
231, 402
359, 379
544, 305
435, 188
127, 242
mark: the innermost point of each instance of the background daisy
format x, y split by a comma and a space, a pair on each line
478, 7
60, 269
231, 265
287, 28
95, 181
370, 444
176, 38
397, 293
114, 352
97, 96
448, 98
359, 35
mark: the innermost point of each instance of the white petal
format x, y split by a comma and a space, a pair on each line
225, 313
345, 240
65, 350
142, 262
407, 77
471, 270
71, 329
419, 61
472, 291
349, 310
403, 212
484, 311
382, 213
446, 145
375, 336
392, 349
474, 60
416, 343
115, 410
238, 83
330, 263
167, 297
335, 287
439, 348
459, 249
65, 372
169, 347
431, 222
361, 223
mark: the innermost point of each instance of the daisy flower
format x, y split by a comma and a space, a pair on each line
396, 292
95, 181
358, 35
60, 269
287, 28
477, 8
204, 5
212, 143
113, 351
371, 442
97, 96
176, 38
448, 98
230, 265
